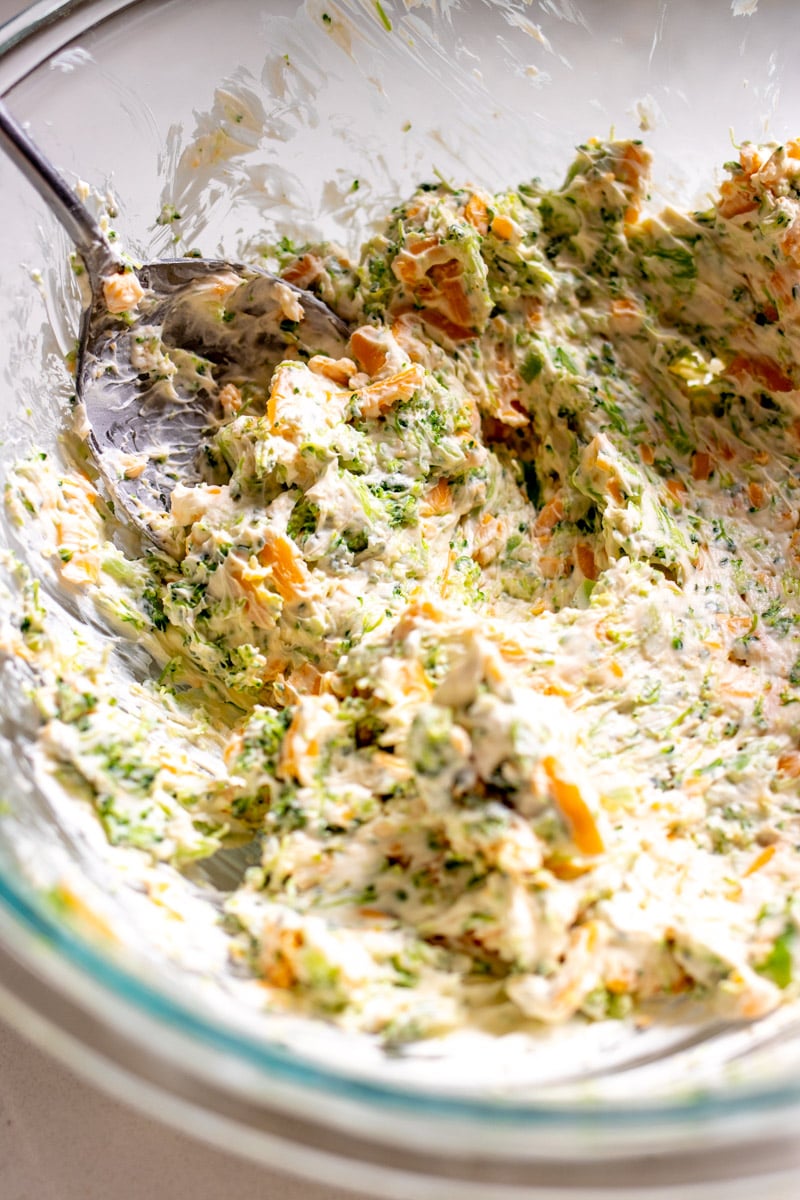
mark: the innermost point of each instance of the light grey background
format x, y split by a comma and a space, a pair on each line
61, 1139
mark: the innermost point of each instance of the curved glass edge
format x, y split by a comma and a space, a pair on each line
47, 19
35, 16
283, 1065
393, 1176
33, 918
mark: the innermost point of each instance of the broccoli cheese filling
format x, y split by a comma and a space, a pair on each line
487, 635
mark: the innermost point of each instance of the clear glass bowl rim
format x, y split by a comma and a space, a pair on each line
33, 920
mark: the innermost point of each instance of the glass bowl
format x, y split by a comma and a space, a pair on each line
255, 120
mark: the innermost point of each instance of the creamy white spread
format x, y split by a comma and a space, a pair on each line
487, 634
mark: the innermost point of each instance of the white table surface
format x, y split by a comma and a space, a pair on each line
61, 1139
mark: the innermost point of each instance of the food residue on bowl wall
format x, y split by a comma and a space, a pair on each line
483, 637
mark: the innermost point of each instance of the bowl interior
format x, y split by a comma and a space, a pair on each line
255, 122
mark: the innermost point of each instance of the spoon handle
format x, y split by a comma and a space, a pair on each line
90, 241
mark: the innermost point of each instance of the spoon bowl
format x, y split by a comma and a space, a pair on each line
150, 379
158, 344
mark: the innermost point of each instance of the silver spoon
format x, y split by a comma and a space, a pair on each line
148, 421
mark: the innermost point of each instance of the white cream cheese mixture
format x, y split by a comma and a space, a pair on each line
484, 639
